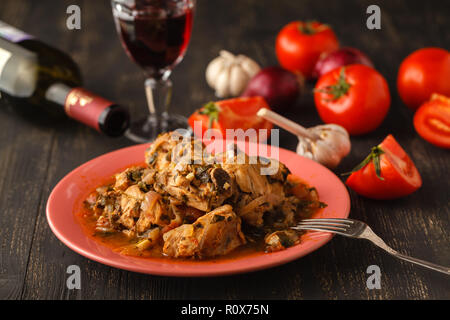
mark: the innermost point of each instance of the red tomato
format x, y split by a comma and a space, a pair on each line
299, 45
432, 121
422, 73
238, 113
355, 97
398, 174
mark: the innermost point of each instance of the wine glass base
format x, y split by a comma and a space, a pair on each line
148, 129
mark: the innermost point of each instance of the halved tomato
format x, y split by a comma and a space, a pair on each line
387, 173
238, 113
432, 121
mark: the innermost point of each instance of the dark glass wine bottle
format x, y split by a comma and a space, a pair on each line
33, 71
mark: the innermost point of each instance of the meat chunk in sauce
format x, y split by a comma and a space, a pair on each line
215, 233
256, 193
183, 173
280, 240
152, 212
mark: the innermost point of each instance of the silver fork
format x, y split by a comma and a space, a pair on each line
358, 229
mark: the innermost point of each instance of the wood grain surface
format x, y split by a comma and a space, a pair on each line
37, 150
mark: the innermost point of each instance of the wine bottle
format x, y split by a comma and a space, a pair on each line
32, 71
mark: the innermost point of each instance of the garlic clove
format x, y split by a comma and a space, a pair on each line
238, 80
318, 151
213, 70
325, 154
222, 83
324, 128
304, 148
335, 136
250, 66
332, 145
227, 55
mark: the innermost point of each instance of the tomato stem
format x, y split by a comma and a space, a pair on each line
212, 110
339, 89
374, 156
307, 27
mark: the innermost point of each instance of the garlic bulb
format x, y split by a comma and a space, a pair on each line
229, 74
326, 144
332, 144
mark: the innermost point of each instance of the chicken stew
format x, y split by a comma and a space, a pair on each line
186, 203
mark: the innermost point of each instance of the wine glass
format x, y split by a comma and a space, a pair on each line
155, 35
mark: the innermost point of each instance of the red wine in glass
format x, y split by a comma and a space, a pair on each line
155, 35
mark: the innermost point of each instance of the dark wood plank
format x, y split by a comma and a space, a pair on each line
24, 154
33, 262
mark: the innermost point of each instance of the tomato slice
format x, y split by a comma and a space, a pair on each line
432, 121
237, 113
204, 120
398, 174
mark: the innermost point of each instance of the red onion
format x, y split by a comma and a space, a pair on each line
279, 87
339, 58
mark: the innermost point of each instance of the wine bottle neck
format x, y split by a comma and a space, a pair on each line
89, 108
57, 93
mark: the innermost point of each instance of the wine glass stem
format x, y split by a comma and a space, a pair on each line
159, 94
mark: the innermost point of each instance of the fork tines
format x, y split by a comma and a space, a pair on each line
328, 224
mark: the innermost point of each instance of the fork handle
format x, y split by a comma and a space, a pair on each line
371, 236
423, 263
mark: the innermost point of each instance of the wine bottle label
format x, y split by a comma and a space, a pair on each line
86, 107
4, 57
13, 34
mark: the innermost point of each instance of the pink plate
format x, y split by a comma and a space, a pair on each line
68, 195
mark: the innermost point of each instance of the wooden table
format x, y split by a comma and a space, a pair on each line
37, 150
